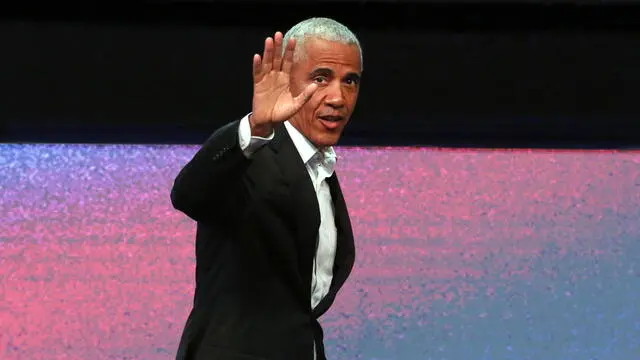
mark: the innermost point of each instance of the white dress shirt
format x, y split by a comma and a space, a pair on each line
319, 165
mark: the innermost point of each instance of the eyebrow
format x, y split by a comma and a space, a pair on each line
321, 71
327, 71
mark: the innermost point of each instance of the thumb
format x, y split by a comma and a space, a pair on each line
305, 95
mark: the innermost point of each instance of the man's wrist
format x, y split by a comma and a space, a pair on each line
263, 130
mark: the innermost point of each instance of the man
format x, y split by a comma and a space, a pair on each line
274, 242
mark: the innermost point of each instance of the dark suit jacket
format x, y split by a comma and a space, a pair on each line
257, 224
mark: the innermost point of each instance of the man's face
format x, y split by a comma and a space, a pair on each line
336, 68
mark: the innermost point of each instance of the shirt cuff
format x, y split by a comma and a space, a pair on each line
250, 144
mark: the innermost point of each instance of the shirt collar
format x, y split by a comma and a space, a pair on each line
305, 148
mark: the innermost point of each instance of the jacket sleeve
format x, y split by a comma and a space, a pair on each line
211, 184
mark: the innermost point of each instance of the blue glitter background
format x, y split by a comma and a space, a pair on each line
462, 255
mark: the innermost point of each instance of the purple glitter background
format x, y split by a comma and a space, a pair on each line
462, 255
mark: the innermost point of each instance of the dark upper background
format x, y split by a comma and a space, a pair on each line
435, 74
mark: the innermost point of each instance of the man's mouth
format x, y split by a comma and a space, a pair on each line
331, 118
331, 122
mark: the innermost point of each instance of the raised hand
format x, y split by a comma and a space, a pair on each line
273, 101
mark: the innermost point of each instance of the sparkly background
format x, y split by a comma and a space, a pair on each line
462, 255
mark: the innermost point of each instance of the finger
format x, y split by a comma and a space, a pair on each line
257, 67
305, 95
267, 57
277, 52
287, 59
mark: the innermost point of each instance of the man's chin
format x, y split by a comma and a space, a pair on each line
326, 140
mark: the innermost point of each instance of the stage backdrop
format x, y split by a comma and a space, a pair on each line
462, 255
471, 76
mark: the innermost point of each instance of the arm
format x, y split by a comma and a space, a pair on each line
211, 183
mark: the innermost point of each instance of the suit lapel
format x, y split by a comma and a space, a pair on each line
303, 203
306, 213
345, 252
346, 247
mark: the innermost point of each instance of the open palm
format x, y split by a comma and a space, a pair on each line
273, 101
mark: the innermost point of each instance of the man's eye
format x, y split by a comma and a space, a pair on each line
320, 79
352, 82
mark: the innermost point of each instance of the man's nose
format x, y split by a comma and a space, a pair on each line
334, 96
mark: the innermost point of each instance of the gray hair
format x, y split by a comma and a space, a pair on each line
320, 28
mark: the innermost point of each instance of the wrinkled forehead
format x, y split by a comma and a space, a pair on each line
319, 52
